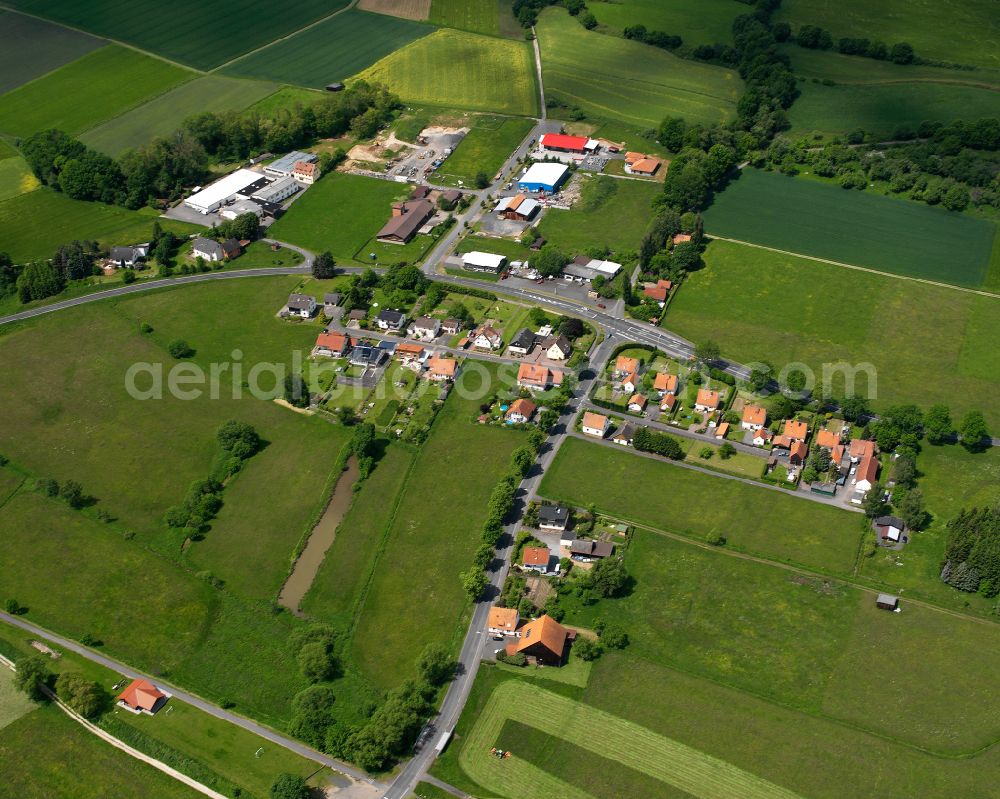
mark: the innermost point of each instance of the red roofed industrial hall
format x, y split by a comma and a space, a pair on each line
568, 144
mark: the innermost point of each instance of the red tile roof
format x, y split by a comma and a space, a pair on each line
754, 414
535, 556
335, 342
502, 619
707, 398
525, 407
796, 430
141, 695
825, 438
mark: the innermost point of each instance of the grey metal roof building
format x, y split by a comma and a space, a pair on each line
284, 165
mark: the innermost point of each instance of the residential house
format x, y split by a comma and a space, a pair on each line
889, 529
502, 621
795, 430
553, 517
625, 366
485, 337
827, 439
407, 218
541, 641
722, 431
128, 256
865, 478
665, 383
356, 317
141, 696
536, 559
301, 305
394, 321
209, 249
367, 356
797, 453
305, 172
520, 411
754, 417
658, 291
557, 348
231, 248
591, 549
637, 403
330, 302
623, 435
522, 343
407, 352
425, 328
595, 424
761, 437
861, 448
537, 377
331, 345
641, 164
451, 326
440, 369
449, 199
668, 403
706, 401
630, 382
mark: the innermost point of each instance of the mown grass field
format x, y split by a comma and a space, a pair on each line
13, 703
187, 31
34, 225
440, 511
961, 32
87, 91
695, 21
611, 213
15, 177
487, 145
610, 77
899, 327
668, 497
32, 47
164, 114
478, 16
46, 753
857, 228
332, 50
455, 69
316, 221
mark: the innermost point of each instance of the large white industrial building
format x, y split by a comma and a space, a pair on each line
213, 197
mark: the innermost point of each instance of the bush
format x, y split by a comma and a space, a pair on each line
85, 696
587, 649
289, 786
180, 349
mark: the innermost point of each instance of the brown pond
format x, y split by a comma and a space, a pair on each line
322, 535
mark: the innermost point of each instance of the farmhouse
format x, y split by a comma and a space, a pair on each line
301, 305
536, 559
641, 164
557, 348
595, 424
522, 343
542, 640
277, 192
141, 696
665, 383
502, 621
425, 327
560, 143
707, 400
284, 167
866, 475
407, 218
209, 249
517, 208
520, 411
860, 449
537, 377
214, 196
440, 369
545, 177
128, 256
331, 345
553, 517
391, 320
485, 337
483, 262
754, 417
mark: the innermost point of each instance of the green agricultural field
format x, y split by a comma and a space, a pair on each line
349, 560
857, 228
611, 213
455, 69
897, 326
46, 753
964, 32
87, 91
187, 31
695, 21
440, 510
485, 148
164, 114
32, 47
332, 50
636, 489
478, 16
13, 703
287, 97
316, 221
16, 178
607, 76
34, 225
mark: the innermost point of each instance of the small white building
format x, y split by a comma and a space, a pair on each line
595, 424
483, 262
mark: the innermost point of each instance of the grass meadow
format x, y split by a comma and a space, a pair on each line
187, 31
607, 76
32, 47
667, 497
478, 16
611, 213
87, 91
696, 22
316, 221
16, 177
407, 9
456, 69
858, 228
843, 315
487, 145
164, 114
961, 32
331, 51
35, 224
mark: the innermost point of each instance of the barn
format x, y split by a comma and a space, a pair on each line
547, 177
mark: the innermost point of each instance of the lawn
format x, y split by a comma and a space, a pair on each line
695, 21
887, 234
16, 178
484, 149
611, 213
164, 114
440, 511
287, 97
331, 51
607, 76
32, 47
456, 69
898, 327
316, 221
964, 32
667, 497
351, 557
87, 91
187, 30
478, 16
46, 753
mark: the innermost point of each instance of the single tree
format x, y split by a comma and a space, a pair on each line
586, 648
973, 432
32, 676
316, 662
938, 428
180, 349
474, 582
707, 351
85, 696
436, 665
289, 786
238, 438
324, 266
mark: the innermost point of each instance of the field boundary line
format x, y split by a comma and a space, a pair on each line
870, 270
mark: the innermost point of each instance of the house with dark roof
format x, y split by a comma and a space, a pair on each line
407, 218
330, 302
367, 356
391, 320
582, 548
301, 305
231, 248
128, 256
449, 199
522, 343
209, 249
557, 348
553, 517
889, 529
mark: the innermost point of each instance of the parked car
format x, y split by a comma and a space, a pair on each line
601, 305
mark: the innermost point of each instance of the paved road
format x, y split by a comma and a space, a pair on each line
191, 699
